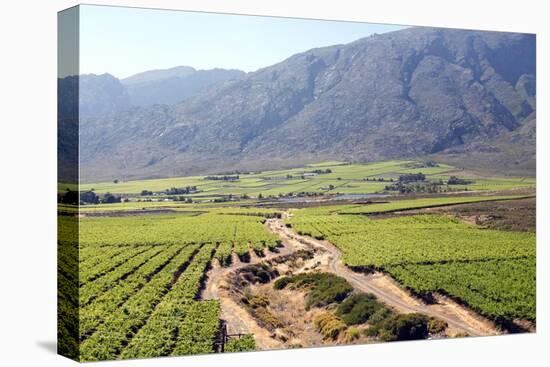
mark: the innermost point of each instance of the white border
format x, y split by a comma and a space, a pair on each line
28, 151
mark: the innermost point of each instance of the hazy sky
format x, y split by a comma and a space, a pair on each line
125, 41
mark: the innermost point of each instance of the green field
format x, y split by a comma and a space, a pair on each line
419, 203
492, 271
346, 178
139, 276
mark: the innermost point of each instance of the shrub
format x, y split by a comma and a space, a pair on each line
404, 327
245, 343
329, 325
373, 330
281, 283
258, 301
353, 333
358, 308
386, 335
380, 316
267, 318
258, 273
436, 326
324, 288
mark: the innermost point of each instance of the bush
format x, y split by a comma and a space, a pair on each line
358, 308
109, 198
353, 333
373, 330
245, 343
404, 327
324, 288
281, 283
267, 318
89, 197
258, 273
436, 326
258, 301
380, 316
329, 325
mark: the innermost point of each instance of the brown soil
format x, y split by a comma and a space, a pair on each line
508, 215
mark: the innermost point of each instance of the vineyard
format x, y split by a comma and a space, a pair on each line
139, 264
491, 271
140, 278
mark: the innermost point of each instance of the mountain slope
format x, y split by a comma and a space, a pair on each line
173, 85
413, 92
101, 95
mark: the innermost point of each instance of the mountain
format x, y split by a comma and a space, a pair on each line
174, 85
159, 74
101, 95
420, 91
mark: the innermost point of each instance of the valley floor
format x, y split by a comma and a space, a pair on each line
461, 320
159, 275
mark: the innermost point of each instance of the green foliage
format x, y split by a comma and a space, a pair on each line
140, 276
281, 283
358, 308
500, 289
400, 327
323, 288
238, 233
353, 333
245, 343
345, 178
421, 203
492, 271
109, 198
380, 315
404, 327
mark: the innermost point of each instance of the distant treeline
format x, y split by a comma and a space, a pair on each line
87, 197
223, 178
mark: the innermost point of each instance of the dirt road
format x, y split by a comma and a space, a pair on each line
459, 318
382, 286
238, 320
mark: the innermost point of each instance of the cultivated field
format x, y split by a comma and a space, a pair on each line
143, 263
346, 179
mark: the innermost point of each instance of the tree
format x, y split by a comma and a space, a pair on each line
453, 180
89, 197
70, 197
260, 196
115, 181
412, 177
109, 198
